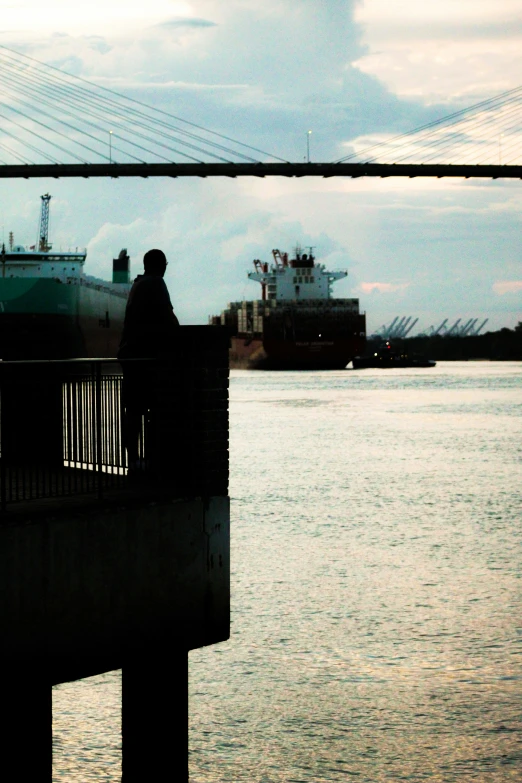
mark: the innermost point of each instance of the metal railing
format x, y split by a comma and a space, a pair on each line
61, 429
92, 423
64, 425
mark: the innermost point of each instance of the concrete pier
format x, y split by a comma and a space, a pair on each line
126, 575
27, 727
155, 718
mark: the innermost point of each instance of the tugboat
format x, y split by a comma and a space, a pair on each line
385, 357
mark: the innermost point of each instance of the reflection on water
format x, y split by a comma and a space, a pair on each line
376, 588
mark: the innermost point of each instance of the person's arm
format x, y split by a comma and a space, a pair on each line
167, 308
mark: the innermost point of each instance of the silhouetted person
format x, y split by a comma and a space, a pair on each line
149, 331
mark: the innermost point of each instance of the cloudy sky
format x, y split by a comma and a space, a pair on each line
266, 73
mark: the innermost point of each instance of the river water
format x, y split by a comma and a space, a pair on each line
376, 588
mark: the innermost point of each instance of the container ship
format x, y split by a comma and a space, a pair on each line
297, 324
50, 309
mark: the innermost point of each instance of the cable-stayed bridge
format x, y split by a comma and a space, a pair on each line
53, 124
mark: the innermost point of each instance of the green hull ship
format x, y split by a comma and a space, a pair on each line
49, 308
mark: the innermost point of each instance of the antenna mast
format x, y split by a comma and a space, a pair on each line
43, 231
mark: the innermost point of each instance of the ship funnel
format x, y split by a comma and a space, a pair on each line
121, 268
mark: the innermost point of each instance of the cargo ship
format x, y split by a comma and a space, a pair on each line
297, 324
49, 307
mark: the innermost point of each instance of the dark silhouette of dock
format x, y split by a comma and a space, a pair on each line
102, 569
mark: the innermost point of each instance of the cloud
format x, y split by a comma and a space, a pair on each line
295, 63
382, 288
444, 52
503, 287
99, 44
406, 33
186, 21
431, 20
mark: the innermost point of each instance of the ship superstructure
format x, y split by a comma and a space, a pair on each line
297, 323
297, 279
49, 307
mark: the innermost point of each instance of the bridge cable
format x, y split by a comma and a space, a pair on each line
30, 146
433, 126
136, 102
467, 128
38, 91
42, 88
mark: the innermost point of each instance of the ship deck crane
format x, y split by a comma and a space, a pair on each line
261, 270
281, 259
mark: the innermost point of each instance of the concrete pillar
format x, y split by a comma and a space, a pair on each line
154, 726
27, 729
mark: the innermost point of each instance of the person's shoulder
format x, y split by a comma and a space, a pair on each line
152, 281
136, 282
148, 284
149, 288
159, 287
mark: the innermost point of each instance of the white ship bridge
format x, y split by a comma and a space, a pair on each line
296, 278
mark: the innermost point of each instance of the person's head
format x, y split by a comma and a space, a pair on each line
155, 262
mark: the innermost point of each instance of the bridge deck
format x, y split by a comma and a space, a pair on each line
354, 170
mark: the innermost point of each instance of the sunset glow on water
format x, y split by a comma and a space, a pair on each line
376, 595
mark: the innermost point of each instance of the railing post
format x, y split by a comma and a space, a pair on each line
3, 498
98, 425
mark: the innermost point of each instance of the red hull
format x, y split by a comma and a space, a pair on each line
273, 354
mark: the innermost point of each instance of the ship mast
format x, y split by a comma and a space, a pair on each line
43, 230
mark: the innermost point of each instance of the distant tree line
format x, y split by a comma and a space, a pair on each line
504, 345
